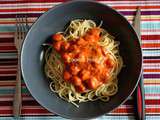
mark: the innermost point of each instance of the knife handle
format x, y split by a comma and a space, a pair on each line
140, 100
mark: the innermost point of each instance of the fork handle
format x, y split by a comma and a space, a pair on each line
17, 103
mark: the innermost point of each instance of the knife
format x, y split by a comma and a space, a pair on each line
139, 98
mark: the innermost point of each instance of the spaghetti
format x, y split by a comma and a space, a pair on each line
55, 65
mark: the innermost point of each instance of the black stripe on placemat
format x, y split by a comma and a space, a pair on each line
151, 57
150, 49
8, 62
6, 40
5, 78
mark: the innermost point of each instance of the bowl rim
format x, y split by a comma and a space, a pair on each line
44, 15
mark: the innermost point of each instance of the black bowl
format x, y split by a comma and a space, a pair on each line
56, 20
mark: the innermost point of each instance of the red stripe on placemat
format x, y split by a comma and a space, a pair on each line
135, 7
10, 47
123, 110
152, 102
6, 112
6, 33
8, 72
150, 45
12, 22
10, 85
32, 1
152, 110
150, 37
151, 70
24, 9
152, 19
151, 61
26, 111
11, 96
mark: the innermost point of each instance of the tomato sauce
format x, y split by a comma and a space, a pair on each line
86, 64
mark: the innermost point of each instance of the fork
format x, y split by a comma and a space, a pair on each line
21, 29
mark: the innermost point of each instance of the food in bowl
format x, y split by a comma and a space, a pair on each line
83, 63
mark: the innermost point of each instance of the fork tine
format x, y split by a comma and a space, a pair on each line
26, 23
20, 29
16, 25
17, 33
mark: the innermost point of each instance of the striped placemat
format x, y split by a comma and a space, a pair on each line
150, 25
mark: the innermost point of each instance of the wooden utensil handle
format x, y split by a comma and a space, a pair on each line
17, 96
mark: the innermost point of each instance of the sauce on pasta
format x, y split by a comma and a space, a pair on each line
83, 63
86, 64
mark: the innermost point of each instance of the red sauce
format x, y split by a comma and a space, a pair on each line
82, 68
